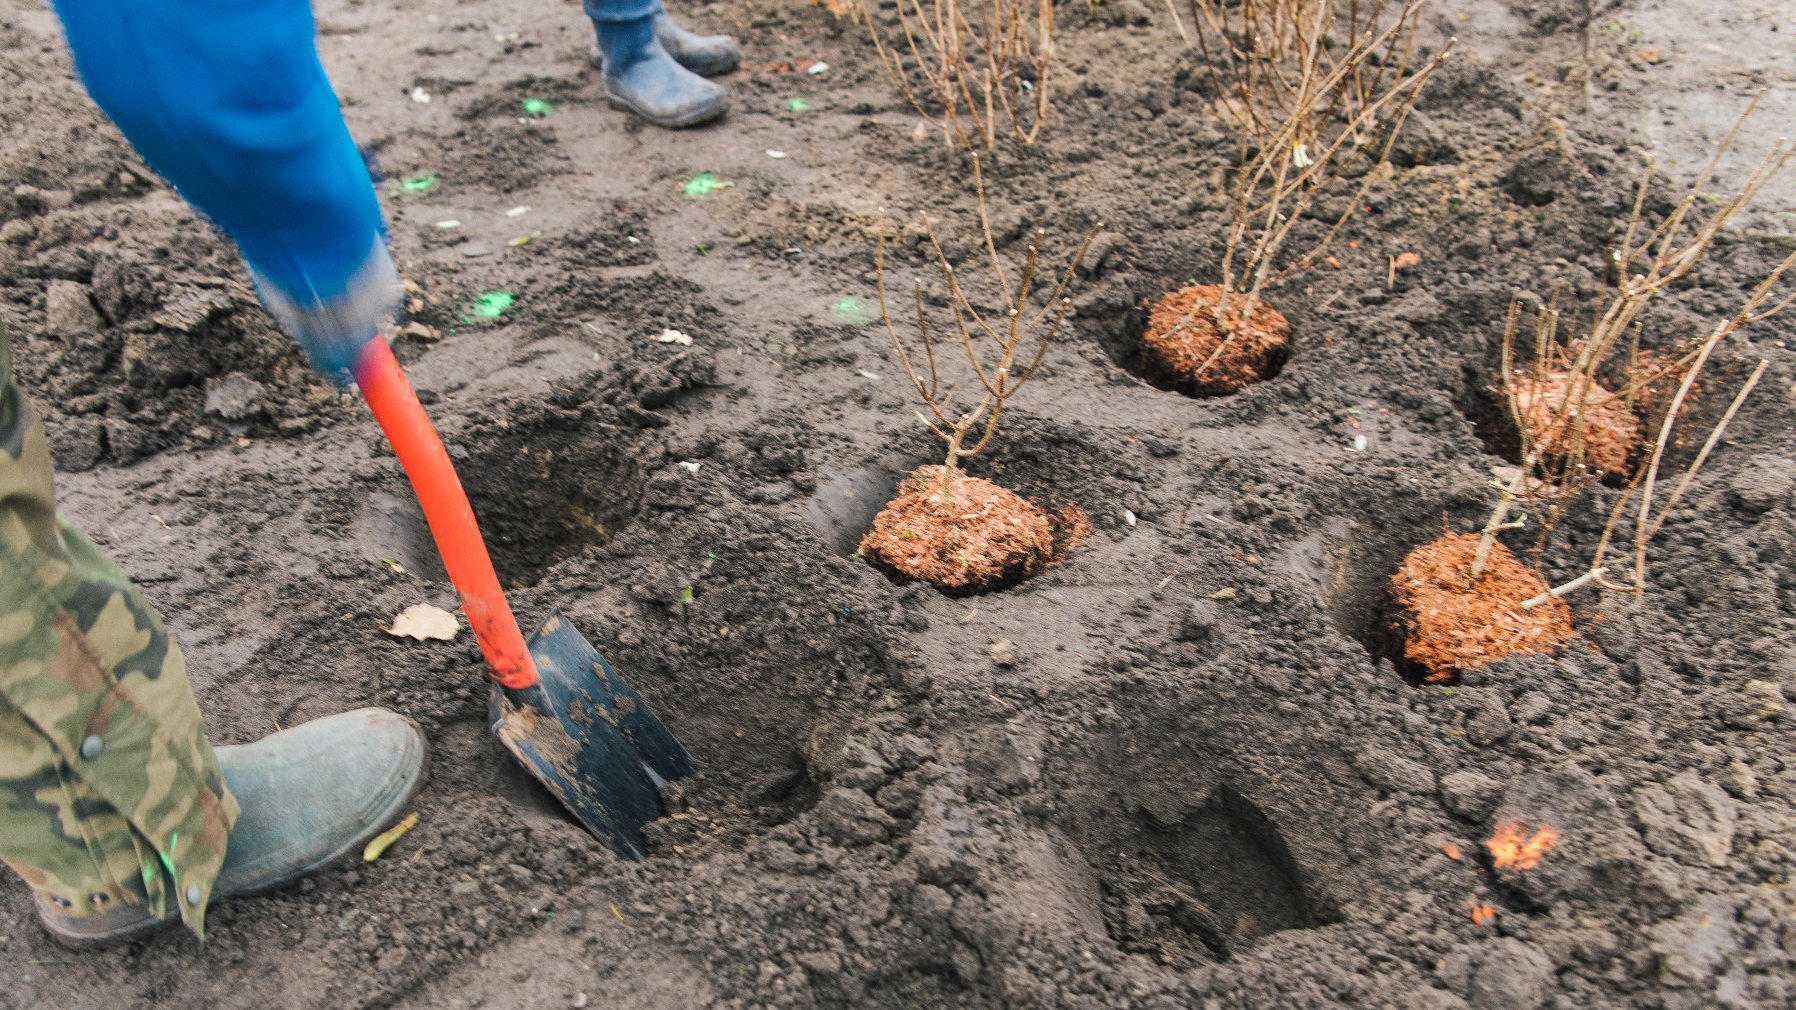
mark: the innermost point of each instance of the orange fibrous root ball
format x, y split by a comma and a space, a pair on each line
1603, 429
1185, 345
981, 538
1445, 623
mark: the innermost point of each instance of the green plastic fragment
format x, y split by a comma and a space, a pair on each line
704, 184
797, 105
537, 107
850, 307
419, 183
491, 305
168, 862
686, 596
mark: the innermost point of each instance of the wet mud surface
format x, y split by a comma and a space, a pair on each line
1169, 772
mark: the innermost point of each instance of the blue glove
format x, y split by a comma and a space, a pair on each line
227, 100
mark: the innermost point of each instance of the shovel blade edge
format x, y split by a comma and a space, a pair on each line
589, 738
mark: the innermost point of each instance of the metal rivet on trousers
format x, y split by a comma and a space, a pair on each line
61, 902
193, 894
98, 898
91, 747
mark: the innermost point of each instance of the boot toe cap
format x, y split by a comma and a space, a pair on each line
311, 794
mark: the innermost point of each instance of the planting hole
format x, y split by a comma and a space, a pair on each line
544, 494
1349, 564
846, 502
966, 535
1205, 888
1441, 622
1490, 421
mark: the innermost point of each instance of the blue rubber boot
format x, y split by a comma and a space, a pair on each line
642, 77
309, 795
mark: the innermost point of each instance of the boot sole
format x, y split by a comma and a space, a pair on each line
58, 925
694, 118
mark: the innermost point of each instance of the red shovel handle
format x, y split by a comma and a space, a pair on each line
446, 508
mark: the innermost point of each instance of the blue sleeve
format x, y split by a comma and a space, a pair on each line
227, 100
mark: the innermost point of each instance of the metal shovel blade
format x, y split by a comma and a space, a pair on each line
583, 733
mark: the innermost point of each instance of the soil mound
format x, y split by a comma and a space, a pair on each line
1441, 623
1184, 346
981, 538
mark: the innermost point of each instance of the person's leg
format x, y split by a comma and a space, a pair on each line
641, 76
113, 806
228, 102
111, 795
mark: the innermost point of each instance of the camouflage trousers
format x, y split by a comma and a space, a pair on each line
109, 792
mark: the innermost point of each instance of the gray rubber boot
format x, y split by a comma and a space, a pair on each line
309, 796
704, 55
642, 77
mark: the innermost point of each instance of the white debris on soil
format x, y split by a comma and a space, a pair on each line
424, 623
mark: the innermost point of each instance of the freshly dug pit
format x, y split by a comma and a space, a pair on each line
982, 538
1604, 430
546, 489
1184, 349
1440, 623
1206, 888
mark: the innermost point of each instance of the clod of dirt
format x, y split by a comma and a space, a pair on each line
1440, 623
981, 538
1185, 349
1605, 425
232, 396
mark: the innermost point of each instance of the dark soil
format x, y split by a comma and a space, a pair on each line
1170, 772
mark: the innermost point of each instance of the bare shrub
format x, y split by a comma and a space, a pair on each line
1340, 102
1255, 53
1556, 457
978, 72
1002, 354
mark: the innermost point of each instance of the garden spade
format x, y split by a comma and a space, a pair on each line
557, 706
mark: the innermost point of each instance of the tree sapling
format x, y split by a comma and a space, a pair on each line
1581, 411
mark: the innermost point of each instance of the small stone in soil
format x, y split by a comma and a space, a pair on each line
1003, 653
68, 309
232, 396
